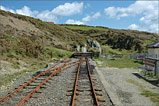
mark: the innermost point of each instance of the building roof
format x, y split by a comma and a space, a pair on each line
154, 45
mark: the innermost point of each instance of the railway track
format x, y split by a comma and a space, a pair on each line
84, 92
17, 96
85, 89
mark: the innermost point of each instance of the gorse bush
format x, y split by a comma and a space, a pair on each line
23, 46
30, 47
95, 52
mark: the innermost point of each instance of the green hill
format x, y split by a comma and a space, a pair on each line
130, 40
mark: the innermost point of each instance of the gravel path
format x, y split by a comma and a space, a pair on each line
121, 84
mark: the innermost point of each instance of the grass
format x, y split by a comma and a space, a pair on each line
58, 53
86, 28
107, 49
118, 63
9, 77
153, 96
135, 83
15, 64
31, 64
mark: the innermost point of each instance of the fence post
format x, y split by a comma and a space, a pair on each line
0, 63
0, 58
51, 54
157, 67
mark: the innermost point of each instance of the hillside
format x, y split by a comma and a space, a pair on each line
30, 36
131, 40
26, 44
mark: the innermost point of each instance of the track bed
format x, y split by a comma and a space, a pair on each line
58, 90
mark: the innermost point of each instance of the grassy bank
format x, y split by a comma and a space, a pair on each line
18, 65
118, 63
9, 77
57, 53
147, 93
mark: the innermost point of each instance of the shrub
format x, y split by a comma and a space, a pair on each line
95, 51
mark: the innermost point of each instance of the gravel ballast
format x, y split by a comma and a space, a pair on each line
56, 92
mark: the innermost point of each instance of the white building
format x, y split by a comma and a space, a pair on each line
153, 58
153, 50
151, 61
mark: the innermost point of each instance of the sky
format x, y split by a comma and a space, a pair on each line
135, 15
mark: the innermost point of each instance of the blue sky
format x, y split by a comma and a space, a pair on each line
136, 15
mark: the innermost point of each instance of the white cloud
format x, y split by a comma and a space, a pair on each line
68, 9
70, 21
152, 27
6, 9
86, 19
133, 26
47, 16
89, 18
150, 17
111, 12
136, 27
27, 11
96, 15
137, 8
148, 10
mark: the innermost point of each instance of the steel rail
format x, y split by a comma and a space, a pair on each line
91, 82
30, 81
92, 86
38, 87
76, 84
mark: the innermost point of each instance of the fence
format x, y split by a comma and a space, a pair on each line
151, 65
138, 56
153, 56
151, 62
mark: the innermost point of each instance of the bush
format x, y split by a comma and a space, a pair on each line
95, 51
30, 48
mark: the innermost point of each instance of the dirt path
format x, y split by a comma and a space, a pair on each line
124, 87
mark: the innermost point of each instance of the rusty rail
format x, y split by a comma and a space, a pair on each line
92, 86
30, 81
76, 84
91, 82
38, 87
